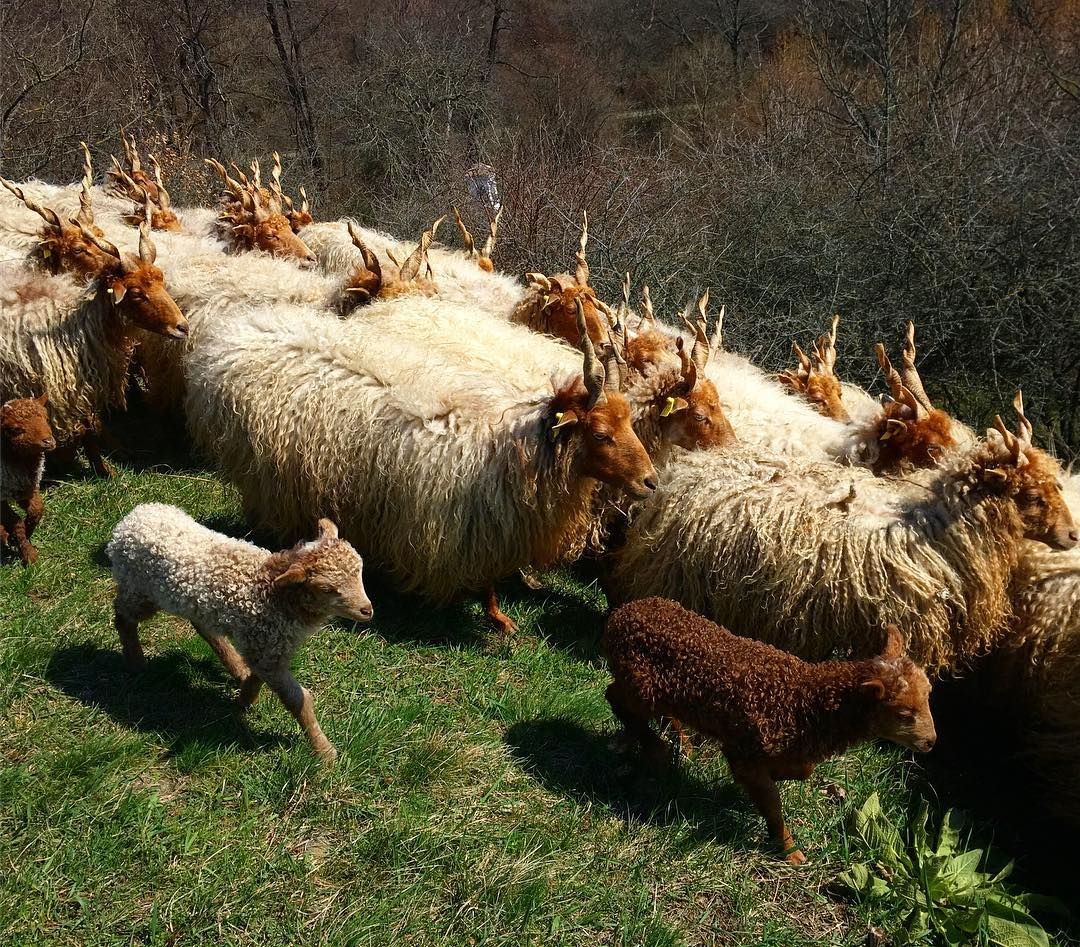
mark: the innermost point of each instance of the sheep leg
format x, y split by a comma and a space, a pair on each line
297, 701
655, 750
35, 509
685, 746
92, 448
502, 621
127, 615
13, 530
227, 654
763, 793
249, 690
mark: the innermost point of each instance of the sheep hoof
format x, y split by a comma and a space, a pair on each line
328, 754
795, 858
28, 554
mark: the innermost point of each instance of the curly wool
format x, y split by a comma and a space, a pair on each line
760, 702
445, 474
65, 340
163, 557
780, 548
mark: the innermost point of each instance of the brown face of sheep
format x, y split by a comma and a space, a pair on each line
610, 450
275, 236
331, 574
160, 219
900, 691
24, 426
560, 312
1036, 489
921, 442
66, 250
696, 421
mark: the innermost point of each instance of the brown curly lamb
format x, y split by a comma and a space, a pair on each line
774, 715
25, 439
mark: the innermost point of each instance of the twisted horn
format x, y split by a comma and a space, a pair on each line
86, 208
133, 156
370, 260
465, 235
1023, 425
592, 371
689, 369
716, 343
305, 207
613, 364
410, 269
147, 250
582, 272
825, 349
897, 389
47, 213
647, 314
493, 230
100, 242
912, 381
164, 201
275, 184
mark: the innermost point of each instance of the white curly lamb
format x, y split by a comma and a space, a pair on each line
267, 603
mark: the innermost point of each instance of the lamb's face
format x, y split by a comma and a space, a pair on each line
335, 575
24, 425
903, 714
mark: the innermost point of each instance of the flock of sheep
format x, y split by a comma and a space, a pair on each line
458, 426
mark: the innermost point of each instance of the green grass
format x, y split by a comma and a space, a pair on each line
480, 797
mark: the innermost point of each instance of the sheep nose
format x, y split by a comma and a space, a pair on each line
1074, 536
49, 443
366, 611
650, 482
181, 330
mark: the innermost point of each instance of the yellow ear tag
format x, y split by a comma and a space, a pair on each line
669, 406
558, 416
109, 290
886, 435
46, 253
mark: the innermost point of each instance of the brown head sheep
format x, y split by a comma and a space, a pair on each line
815, 553
448, 475
775, 717
76, 343
269, 604
817, 381
25, 439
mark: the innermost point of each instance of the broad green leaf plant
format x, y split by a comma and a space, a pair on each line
948, 900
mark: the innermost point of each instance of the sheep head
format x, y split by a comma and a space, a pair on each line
690, 414
911, 431
324, 576
62, 247
301, 217
899, 694
817, 381
24, 427
597, 415
137, 287
1009, 466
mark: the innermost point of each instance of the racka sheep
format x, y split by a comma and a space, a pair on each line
776, 717
267, 603
25, 438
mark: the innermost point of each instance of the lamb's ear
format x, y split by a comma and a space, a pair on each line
43, 400
327, 529
895, 643
874, 688
294, 575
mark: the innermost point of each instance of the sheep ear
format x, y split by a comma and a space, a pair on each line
555, 285
294, 575
43, 400
895, 643
327, 529
563, 419
672, 405
874, 688
117, 290
992, 474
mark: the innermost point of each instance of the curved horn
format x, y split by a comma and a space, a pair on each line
493, 231
805, 366
897, 389
825, 349
47, 213
1023, 425
613, 364
689, 369
86, 207
370, 260
100, 242
410, 269
275, 185
592, 371
467, 237
256, 174
716, 343
305, 207
647, 314
147, 250
133, 156
911, 378
700, 352
164, 201
581, 274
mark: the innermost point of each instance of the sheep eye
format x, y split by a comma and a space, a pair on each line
602, 437
700, 418
904, 714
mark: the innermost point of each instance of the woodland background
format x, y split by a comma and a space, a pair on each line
883, 159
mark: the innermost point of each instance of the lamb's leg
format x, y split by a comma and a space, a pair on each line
227, 654
685, 746
765, 796
501, 621
127, 614
92, 447
656, 751
14, 528
35, 509
249, 690
297, 701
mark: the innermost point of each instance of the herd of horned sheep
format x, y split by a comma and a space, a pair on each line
458, 427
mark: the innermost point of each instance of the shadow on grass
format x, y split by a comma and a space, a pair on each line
170, 697
567, 617
591, 767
